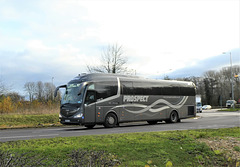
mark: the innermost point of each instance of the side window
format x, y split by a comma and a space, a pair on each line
157, 89
138, 88
144, 88
106, 89
127, 88
171, 91
91, 95
91, 87
188, 91
149, 88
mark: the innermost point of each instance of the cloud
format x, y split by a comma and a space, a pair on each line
43, 39
40, 63
198, 68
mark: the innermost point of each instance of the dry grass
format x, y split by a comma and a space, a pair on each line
30, 117
228, 146
39, 111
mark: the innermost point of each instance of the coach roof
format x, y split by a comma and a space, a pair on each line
97, 77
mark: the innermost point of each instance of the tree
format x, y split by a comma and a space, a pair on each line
39, 91
15, 97
30, 88
211, 80
48, 90
112, 61
167, 77
3, 88
6, 105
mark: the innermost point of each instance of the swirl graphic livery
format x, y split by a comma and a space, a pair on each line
150, 107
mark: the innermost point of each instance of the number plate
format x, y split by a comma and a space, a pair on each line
67, 120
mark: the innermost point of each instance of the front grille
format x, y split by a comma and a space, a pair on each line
68, 112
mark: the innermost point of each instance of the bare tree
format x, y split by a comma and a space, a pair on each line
112, 61
30, 88
40, 91
48, 90
15, 97
3, 88
218, 85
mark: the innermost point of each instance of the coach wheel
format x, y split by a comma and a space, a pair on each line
173, 117
152, 122
110, 121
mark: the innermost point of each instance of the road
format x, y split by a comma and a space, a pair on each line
209, 119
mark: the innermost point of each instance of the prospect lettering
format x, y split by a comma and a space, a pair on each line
135, 98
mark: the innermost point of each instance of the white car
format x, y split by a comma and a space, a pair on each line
207, 107
230, 103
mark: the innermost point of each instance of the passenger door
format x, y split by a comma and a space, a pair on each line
90, 107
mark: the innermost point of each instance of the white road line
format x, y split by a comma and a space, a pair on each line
15, 137
48, 135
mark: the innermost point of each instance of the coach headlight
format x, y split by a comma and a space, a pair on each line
79, 115
60, 116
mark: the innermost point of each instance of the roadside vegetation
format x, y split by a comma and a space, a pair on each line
40, 99
211, 147
40, 110
230, 109
27, 121
21, 114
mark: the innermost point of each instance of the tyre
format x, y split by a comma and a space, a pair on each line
152, 122
173, 117
110, 121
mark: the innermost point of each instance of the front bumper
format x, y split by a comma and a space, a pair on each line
70, 121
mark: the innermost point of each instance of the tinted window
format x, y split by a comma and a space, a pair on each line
187, 91
139, 88
91, 94
106, 89
127, 88
90, 97
142, 89
154, 88
171, 91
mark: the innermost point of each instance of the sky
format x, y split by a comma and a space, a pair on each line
53, 41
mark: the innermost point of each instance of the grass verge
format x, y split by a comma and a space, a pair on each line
169, 148
230, 109
21, 121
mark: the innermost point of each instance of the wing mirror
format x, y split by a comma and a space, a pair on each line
56, 90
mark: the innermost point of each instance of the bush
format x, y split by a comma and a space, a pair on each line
7, 106
8, 159
76, 158
92, 158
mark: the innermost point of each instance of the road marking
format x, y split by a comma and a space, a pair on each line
48, 135
15, 137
